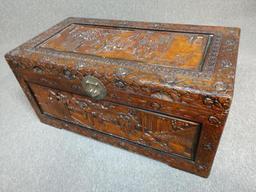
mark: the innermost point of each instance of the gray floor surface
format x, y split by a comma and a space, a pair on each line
37, 157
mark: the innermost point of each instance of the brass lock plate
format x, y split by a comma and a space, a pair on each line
93, 87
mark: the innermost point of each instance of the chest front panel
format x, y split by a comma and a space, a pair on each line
165, 133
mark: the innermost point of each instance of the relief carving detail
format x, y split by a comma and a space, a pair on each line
163, 133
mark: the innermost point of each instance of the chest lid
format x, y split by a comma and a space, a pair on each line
168, 62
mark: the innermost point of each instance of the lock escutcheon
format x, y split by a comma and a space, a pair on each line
93, 87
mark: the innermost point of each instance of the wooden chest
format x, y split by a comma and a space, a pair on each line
160, 90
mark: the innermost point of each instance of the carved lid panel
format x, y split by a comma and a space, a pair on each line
167, 48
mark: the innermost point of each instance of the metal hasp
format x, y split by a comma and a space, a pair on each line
93, 87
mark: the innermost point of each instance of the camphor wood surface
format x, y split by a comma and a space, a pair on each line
182, 50
160, 132
169, 87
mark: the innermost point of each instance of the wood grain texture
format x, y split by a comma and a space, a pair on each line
169, 87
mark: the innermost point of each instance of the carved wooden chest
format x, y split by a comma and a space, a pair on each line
161, 90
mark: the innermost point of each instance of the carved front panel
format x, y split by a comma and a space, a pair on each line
165, 133
170, 49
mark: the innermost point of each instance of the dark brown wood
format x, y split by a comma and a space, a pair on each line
166, 88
